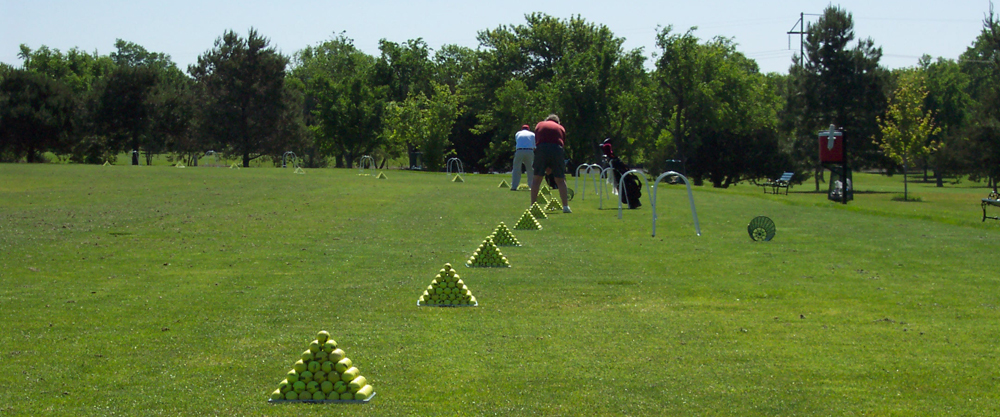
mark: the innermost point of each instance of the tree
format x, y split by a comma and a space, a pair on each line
683, 79
404, 68
173, 115
948, 99
425, 123
569, 67
129, 54
716, 111
137, 105
981, 62
246, 106
80, 72
454, 66
123, 112
77, 69
906, 127
35, 114
345, 106
839, 85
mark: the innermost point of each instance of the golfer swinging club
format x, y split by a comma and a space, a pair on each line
549, 154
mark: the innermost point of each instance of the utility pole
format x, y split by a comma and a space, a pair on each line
801, 33
802, 52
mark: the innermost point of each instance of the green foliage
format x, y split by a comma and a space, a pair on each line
704, 102
906, 129
837, 84
404, 69
981, 61
77, 69
35, 114
949, 100
344, 105
124, 108
573, 68
717, 111
422, 122
246, 106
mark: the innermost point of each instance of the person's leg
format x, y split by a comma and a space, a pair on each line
538, 167
515, 176
536, 184
559, 172
561, 182
529, 162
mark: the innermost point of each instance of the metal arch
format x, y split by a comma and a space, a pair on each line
621, 187
694, 214
284, 159
576, 183
457, 163
366, 162
604, 186
213, 153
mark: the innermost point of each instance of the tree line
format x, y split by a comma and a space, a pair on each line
698, 104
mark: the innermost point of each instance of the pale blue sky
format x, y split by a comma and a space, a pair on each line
184, 29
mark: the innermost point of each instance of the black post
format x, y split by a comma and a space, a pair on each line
843, 138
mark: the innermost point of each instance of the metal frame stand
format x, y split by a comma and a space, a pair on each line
621, 187
605, 179
652, 193
457, 163
284, 159
656, 186
576, 184
366, 162
216, 155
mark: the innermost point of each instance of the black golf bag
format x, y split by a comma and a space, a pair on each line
551, 181
633, 188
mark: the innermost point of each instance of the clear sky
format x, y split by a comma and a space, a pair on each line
184, 29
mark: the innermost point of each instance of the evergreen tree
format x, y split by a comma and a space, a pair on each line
246, 105
840, 85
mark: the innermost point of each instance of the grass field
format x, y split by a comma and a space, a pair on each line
162, 291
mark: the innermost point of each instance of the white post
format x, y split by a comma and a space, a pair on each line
604, 186
576, 180
694, 214
592, 171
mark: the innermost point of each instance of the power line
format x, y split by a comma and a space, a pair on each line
917, 19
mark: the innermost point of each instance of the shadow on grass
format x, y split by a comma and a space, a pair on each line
855, 192
911, 199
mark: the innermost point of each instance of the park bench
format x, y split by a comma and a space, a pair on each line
783, 182
992, 200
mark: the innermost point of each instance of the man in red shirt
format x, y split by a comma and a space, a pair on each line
549, 154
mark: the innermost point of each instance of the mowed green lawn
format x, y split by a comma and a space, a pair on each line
163, 291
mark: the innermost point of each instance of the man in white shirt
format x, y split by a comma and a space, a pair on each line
523, 154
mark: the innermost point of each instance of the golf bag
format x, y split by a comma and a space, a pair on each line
551, 181
633, 188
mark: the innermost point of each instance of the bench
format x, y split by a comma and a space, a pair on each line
992, 200
783, 182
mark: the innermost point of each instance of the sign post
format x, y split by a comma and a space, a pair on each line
833, 152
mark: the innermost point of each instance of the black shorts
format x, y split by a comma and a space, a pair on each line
550, 155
